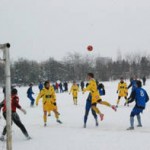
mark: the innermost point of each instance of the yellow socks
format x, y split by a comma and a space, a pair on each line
105, 103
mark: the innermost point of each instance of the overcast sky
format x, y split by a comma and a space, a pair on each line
38, 29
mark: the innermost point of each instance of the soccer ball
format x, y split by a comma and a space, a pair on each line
90, 48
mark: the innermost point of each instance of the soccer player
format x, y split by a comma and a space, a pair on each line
88, 105
122, 91
49, 101
140, 96
40, 86
30, 93
82, 85
15, 117
92, 87
74, 90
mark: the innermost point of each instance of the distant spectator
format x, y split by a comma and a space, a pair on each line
82, 85
144, 80
66, 86
40, 86
30, 93
57, 86
61, 87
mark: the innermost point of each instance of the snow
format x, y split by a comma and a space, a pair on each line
111, 134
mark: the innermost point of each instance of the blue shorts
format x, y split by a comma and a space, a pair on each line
136, 111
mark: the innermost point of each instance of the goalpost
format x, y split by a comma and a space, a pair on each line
6, 59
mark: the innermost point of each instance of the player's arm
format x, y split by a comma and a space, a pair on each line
132, 97
40, 95
71, 89
129, 85
147, 97
118, 88
87, 88
16, 103
53, 93
78, 89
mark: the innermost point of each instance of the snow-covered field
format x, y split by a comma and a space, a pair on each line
111, 134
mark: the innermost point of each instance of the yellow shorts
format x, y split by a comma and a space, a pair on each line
122, 94
48, 106
95, 98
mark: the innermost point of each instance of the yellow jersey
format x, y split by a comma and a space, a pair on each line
92, 87
122, 89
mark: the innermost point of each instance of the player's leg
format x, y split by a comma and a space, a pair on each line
107, 104
87, 109
94, 108
49, 113
55, 110
139, 119
95, 116
2, 137
17, 121
45, 117
126, 103
134, 112
32, 101
118, 101
75, 99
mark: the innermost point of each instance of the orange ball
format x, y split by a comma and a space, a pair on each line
90, 48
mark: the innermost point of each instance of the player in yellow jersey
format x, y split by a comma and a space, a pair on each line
49, 101
122, 91
74, 90
92, 87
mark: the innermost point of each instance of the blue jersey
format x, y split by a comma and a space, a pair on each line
134, 86
141, 97
30, 92
40, 86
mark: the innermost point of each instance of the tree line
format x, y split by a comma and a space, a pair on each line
75, 67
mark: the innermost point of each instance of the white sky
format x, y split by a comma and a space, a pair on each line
38, 29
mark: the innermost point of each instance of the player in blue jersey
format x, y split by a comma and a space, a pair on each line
140, 96
133, 83
30, 93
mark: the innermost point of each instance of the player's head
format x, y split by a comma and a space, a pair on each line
47, 84
74, 82
135, 77
31, 84
14, 91
90, 75
139, 83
